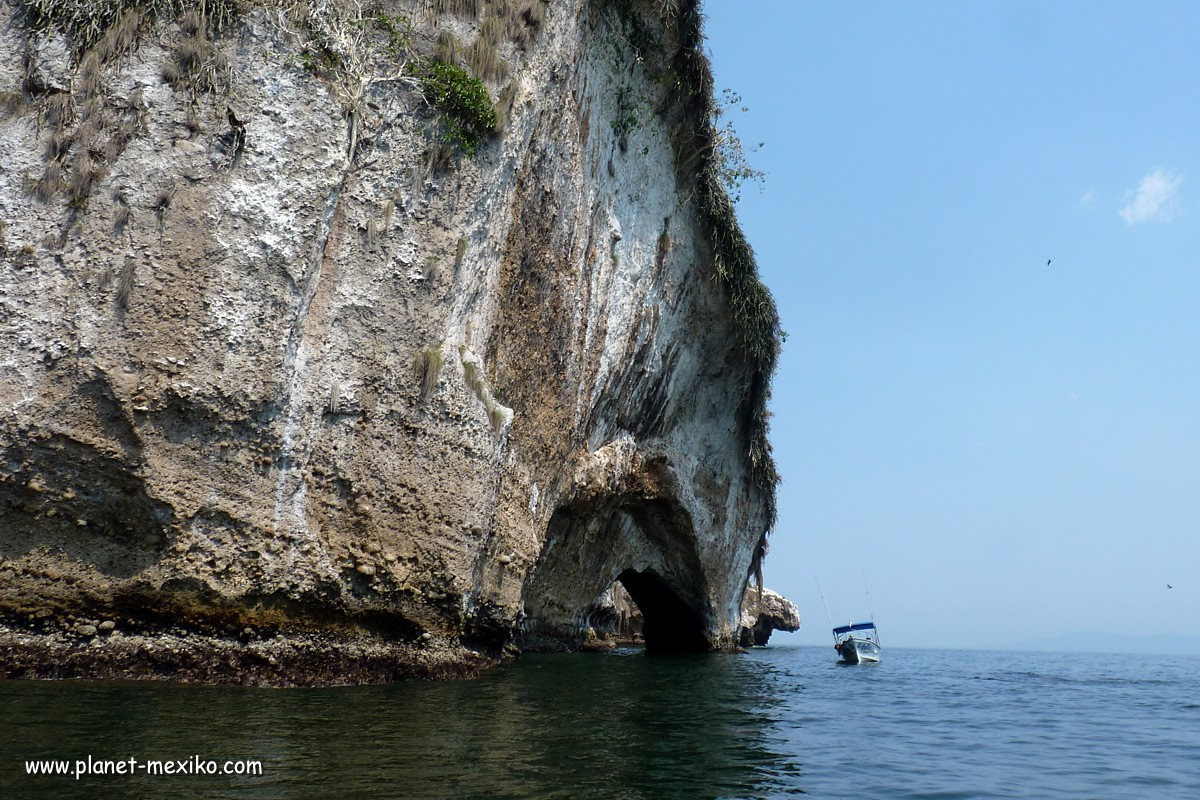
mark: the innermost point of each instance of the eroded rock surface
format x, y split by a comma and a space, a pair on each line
270, 364
765, 613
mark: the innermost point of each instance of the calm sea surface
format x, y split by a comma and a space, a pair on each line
772, 723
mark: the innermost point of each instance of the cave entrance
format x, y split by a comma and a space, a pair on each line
602, 558
669, 624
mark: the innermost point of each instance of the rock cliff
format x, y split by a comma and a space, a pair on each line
323, 361
764, 612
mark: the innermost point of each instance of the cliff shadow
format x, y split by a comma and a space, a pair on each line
75, 509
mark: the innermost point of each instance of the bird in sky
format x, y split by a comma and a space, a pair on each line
1169, 586
1047, 262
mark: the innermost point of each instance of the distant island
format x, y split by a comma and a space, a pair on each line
1099, 642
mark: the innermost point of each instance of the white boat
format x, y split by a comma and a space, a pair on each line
857, 649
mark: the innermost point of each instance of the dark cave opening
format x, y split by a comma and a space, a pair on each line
670, 624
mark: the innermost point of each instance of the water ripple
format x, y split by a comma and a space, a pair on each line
774, 723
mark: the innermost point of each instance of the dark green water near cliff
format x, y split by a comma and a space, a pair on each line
549, 726
775, 722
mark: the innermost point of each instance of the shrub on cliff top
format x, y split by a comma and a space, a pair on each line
464, 108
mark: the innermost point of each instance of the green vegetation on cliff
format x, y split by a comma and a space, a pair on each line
464, 107
753, 307
666, 39
709, 152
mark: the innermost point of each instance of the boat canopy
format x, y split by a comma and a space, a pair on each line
858, 626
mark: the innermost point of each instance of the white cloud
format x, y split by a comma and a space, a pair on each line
1155, 198
1089, 198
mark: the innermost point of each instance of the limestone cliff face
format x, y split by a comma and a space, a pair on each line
269, 362
764, 612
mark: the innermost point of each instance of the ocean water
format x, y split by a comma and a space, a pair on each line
775, 722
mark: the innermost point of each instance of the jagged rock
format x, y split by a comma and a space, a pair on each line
761, 616
616, 616
253, 328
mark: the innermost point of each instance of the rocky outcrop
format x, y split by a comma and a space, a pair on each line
765, 611
280, 355
616, 619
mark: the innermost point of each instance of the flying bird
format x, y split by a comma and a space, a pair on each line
1169, 586
1047, 262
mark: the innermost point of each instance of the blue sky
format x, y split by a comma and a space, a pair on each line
1011, 449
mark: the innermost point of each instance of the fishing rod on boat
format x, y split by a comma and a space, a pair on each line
837, 645
815, 578
867, 589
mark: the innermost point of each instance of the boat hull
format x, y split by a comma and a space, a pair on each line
859, 651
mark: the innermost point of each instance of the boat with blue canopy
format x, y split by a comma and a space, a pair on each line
857, 643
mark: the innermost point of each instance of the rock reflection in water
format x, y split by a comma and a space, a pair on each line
612, 725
